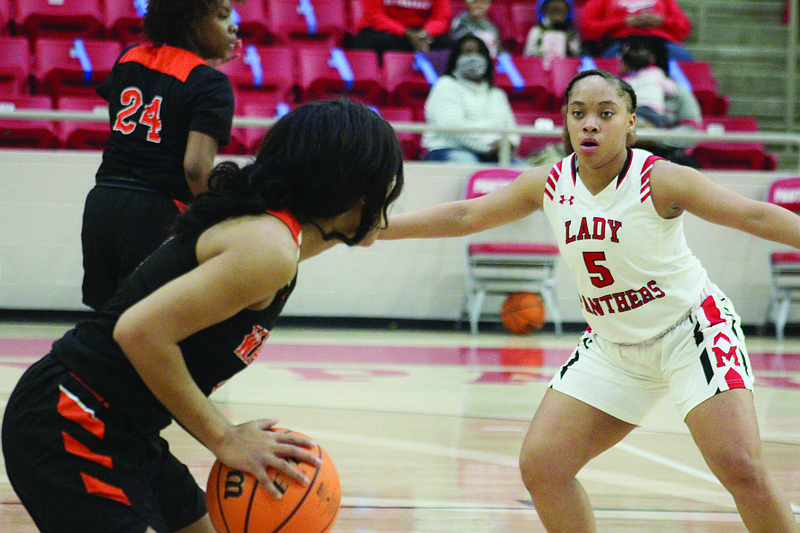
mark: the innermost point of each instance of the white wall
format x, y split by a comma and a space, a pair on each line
41, 202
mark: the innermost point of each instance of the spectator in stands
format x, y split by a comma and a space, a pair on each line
652, 85
661, 102
608, 22
417, 26
474, 20
169, 112
555, 34
465, 95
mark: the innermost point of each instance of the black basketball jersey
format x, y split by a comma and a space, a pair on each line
156, 95
212, 355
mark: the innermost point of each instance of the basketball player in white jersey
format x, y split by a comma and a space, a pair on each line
657, 325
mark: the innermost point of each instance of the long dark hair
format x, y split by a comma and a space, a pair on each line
318, 161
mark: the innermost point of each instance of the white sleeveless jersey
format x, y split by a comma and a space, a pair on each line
636, 276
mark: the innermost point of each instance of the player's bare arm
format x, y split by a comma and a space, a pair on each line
677, 188
464, 217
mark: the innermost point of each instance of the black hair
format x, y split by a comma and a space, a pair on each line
455, 52
623, 87
624, 90
170, 21
318, 161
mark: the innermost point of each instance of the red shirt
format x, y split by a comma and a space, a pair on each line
605, 19
397, 16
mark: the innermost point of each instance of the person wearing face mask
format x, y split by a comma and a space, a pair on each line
554, 35
465, 96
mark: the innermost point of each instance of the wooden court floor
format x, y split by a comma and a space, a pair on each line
424, 429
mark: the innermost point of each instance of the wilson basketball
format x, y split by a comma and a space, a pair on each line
523, 313
238, 503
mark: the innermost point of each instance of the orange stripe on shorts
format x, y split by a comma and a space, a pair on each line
71, 408
101, 488
73, 446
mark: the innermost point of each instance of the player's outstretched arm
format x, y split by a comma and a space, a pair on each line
464, 217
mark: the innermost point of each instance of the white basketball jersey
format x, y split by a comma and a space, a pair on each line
636, 276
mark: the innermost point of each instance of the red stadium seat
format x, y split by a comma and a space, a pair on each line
58, 69
289, 23
536, 94
123, 21
523, 17
543, 121
15, 65
22, 133
704, 87
251, 137
562, 70
5, 16
354, 12
409, 142
405, 85
253, 25
63, 18
82, 135
319, 79
733, 156
263, 73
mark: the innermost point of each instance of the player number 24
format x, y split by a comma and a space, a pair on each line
599, 274
132, 100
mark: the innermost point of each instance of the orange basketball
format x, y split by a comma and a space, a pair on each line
523, 313
237, 503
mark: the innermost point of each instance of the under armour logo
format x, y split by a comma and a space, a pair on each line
564, 200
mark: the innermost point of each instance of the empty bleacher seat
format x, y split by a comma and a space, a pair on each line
123, 20
535, 93
252, 18
27, 133
5, 16
63, 18
15, 65
319, 78
321, 22
732, 155
406, 85
263, 73
60, 67
704, 87
410, 142
83, 135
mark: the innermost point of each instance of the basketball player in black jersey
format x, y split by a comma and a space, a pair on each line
169, 111
81, 432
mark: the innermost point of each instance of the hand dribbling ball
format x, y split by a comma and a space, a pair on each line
238, 503
523, 313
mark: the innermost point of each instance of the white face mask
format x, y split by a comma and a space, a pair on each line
471, 66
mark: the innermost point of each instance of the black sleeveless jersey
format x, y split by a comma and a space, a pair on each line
156, 95
212, 355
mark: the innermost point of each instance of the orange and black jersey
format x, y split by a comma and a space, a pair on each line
156, 96
212, 355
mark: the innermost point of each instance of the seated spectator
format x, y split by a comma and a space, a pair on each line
661, 101
555, 34
407, 26
651, 84
465, 96
608, 22
473, 20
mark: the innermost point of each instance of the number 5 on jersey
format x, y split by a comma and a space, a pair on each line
150, 118
599, 274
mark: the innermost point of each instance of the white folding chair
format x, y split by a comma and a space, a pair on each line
507, 267
784, 264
